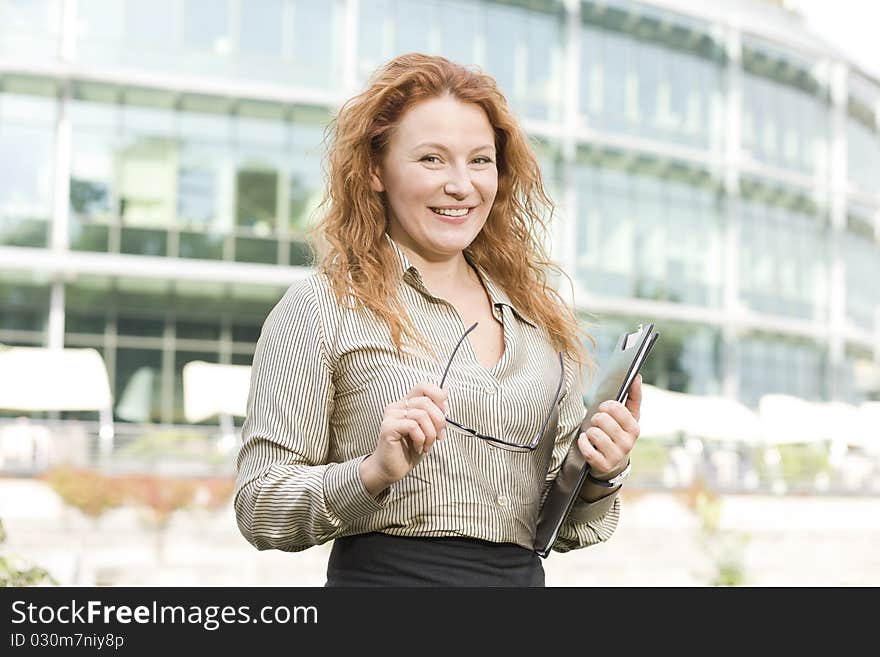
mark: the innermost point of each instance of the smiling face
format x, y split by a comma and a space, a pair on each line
439, 176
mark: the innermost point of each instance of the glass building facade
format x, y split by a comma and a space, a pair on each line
160, 160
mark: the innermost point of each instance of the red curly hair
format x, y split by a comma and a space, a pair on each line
350, 236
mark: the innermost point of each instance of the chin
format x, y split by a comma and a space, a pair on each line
452, 241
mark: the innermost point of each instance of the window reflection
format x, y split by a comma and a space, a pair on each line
198, 330
459, 26
91, 177
412, 25
306, 182
24, 309
315, 53
775, 364
862, 265
503, 40
140, 326
542, 99
256, 198
84, 322
277, 40
247, 333
138, 385
147, 182
198, 186
147, 23
785, 111
94, 189
262, 27
519, 46
30, 28
205, 246
650, 237
206, 25
783, 258
26, 173
242, 358
863, 132
375, 36
151, 180
635, 80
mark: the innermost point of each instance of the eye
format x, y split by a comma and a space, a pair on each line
482, 159
430, 158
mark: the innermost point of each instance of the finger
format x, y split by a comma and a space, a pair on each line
610, 427
634, 398
592, 455
611, 452
412, 431
427, 426
436, 415
617, 421
430, 390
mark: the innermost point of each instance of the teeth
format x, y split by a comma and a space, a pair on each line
451, 213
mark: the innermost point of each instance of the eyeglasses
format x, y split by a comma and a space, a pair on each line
516, 446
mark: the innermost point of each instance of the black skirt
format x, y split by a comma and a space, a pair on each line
378, 559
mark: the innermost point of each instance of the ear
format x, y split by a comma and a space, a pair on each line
375, 181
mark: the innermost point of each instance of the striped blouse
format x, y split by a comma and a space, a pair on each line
321, 378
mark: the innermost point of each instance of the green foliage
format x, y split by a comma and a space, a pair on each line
726, 549
803, 462
17, 572
651, 456
798, 464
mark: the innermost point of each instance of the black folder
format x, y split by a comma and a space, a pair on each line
618, 374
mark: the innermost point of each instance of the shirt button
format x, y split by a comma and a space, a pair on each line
502, 500
490, 389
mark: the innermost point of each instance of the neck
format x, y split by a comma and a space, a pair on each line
441, 275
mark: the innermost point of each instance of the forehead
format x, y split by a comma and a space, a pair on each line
446, 120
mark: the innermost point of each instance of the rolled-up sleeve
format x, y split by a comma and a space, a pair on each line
588, 523
288, 497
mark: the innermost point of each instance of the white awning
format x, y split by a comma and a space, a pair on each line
666, 413
837, 421
720, 418
787, 419
213, 389
35, 379
660, 412
868, 434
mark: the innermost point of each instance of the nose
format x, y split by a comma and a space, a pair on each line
459, 182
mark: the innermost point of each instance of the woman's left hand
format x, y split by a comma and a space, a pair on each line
607, 444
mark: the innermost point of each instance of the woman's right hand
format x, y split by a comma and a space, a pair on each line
409, 429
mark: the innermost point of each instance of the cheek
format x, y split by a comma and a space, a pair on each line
488, 186
417, 188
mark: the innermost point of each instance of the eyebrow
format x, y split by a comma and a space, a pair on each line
441, 147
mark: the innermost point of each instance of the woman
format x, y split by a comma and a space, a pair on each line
414, 398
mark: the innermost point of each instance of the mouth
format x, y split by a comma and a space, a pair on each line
453, 215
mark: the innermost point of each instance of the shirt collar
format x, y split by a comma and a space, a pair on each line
497, 295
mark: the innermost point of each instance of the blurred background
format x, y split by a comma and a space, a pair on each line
716, 169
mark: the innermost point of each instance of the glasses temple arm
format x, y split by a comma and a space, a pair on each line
555, 399
460, 340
